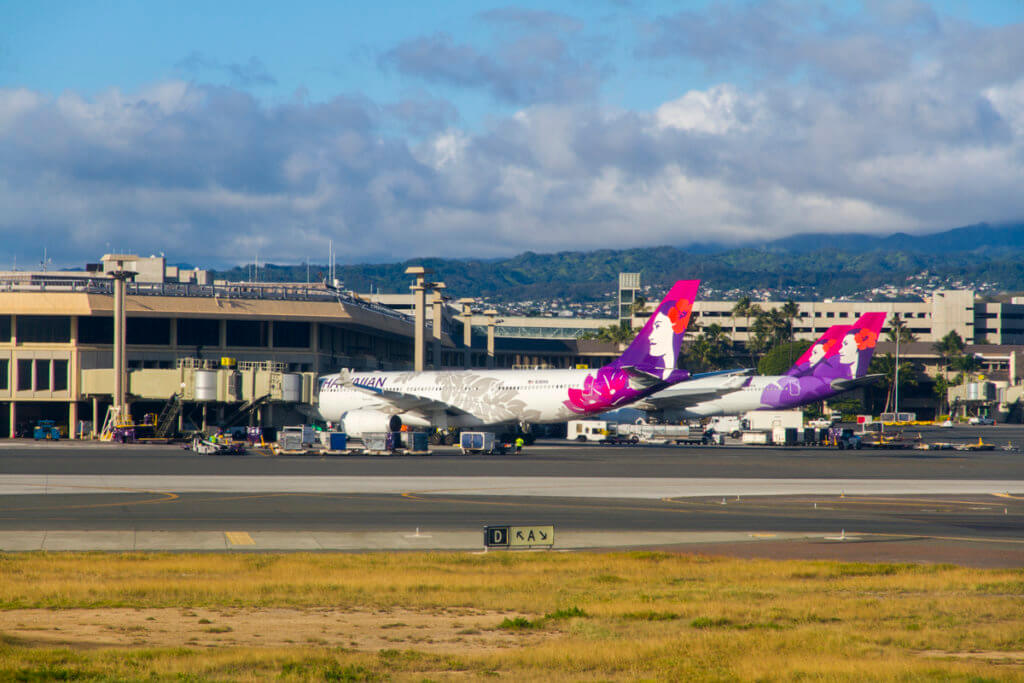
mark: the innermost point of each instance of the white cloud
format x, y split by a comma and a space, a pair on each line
720, 109
212, 175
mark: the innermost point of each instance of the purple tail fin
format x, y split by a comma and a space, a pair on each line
656, 347
850, 358
822, 359
647, 365
826, 345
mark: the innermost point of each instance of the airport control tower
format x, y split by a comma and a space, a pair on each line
629, 290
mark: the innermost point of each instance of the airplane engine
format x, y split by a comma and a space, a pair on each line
358, 422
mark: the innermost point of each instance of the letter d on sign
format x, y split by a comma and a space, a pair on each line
496, 536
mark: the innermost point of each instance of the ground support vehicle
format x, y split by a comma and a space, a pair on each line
843, 438
46, 429
591, 430
211, 446
656, 433
481, 442
733, 425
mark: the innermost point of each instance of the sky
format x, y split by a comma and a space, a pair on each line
227, 132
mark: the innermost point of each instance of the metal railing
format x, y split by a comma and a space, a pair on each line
230, 291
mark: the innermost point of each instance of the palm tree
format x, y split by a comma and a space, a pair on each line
742, 308
790, 311
949, 347
617, 333
885, 365
746, 309
899, 330
967, 364
710, 348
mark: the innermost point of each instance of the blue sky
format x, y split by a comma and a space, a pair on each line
214, 132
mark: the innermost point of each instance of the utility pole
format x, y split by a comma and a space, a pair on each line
896, 370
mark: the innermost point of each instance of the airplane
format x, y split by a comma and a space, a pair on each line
838, 361
367, 402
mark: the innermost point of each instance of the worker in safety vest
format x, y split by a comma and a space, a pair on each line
519, 444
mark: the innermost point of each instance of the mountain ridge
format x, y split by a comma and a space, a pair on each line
819, 263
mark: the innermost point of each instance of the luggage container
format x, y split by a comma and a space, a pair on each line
419, 442
379, 441
755, 438
477, 442
338, 441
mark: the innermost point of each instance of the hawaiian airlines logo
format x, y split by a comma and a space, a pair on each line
369, 382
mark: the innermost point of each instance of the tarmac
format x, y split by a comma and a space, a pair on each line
778, 502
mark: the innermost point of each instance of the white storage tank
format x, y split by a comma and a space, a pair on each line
206, 385
291, 387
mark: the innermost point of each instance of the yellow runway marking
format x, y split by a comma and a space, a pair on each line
973, 539
167, 497
239, 538
1008, 495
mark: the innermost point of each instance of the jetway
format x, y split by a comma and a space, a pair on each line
197, 380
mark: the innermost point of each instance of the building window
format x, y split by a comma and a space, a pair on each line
44, 329
5, 374
5, 328
198, 332
24, 374
247, 333
148, 331
289, 335
60, 375
95, 330
42, 375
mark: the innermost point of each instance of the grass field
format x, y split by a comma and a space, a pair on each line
526, 616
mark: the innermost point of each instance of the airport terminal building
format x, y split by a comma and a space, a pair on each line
223, 348
219, 347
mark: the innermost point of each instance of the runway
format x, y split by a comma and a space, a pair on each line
787, 502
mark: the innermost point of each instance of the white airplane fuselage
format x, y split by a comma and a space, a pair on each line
734, 403
457, 398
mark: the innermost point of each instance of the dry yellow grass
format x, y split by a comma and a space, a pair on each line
609, 616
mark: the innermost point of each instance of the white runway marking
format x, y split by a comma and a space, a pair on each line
582, 487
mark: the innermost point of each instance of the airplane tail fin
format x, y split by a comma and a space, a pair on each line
826, 345
656, 347
867, 330
863, 336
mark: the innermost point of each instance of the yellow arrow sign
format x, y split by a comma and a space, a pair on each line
531, 535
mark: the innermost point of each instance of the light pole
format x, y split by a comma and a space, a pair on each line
121, 275
419, 289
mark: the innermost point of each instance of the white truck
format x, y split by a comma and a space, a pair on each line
779, 426
732, 425
591, 430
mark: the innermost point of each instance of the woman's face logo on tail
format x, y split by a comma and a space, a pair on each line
661, 340
848, 351
817, 354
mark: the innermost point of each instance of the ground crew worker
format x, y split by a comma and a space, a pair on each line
519, 444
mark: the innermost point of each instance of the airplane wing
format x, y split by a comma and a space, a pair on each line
706, 387
399, 401
847, 384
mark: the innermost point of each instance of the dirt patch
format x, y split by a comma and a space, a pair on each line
995, 656
451, 631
